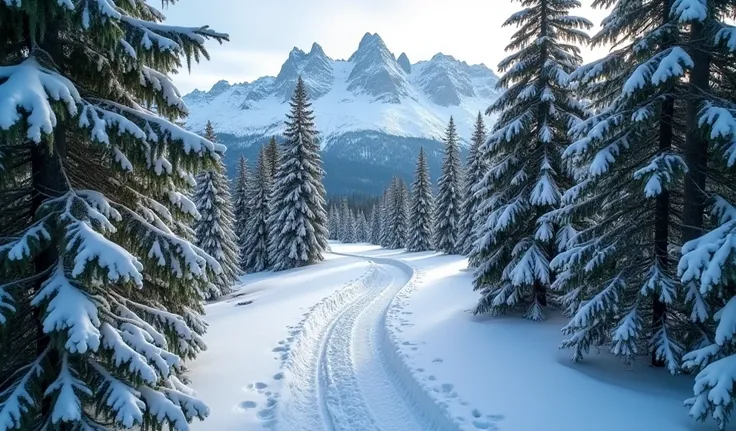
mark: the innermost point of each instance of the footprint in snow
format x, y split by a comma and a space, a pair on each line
278, 376
447, 387
438, 360
481, 424
260, 385
248, 405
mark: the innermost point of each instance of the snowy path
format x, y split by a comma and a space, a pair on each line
344, 372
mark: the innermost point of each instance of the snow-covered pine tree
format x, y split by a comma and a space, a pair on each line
526, 178
476, 166
110, 293
385, 213
362, 230
398, 215
375, 230
449, 201
214, 230
298, 219
422, 208
707, 267
272, 155
333, 222
344, 227
240, 204
255, 241
619, 275
351, 228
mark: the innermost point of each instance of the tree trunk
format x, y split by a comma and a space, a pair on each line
662, 207
48, 181
696, 146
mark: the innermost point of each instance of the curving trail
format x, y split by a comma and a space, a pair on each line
344, 370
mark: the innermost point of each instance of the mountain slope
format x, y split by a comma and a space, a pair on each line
372, 97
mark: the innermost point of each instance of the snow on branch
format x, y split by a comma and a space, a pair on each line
660, 172
91, 246
125, 357
689, 10
722, 128
22, 248
71, 310
121, 398
29, 87
67, 405
15, 399
163, 84
713, 390
164, 409
726, 35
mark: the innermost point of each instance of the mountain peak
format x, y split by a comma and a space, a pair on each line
317, 50
442, 57
404, 62
368, 44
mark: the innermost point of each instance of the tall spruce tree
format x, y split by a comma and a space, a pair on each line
298, 219
255, 239
100, 295
447, 215
241, 208
362, 229
476, 166
334, 222
619, 277
351, 228
526, 178
214, 230
422, 208
272, 155
386, 208
397, 221
343, 234
375, 230
707, 266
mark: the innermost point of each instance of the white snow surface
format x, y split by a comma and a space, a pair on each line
375, 339
257, 108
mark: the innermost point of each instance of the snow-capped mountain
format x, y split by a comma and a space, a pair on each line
371, 108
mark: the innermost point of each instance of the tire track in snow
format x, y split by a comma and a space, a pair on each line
345, 370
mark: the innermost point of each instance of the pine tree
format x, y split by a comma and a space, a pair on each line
334, 222
241, 208
386, 209
526, 178
397, 222
362, 230
272, 155
351, 235
255, 240
298, 219
447, 216
476, 167
100, 298
375, 230
422, 207
215, 228
344, 221
618, 276
707, 266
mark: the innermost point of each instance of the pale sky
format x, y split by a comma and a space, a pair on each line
262, 33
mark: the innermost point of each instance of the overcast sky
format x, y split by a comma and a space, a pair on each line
262, 33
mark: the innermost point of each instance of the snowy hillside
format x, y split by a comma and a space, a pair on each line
372, 90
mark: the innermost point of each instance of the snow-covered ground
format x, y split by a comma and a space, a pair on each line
387, 342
